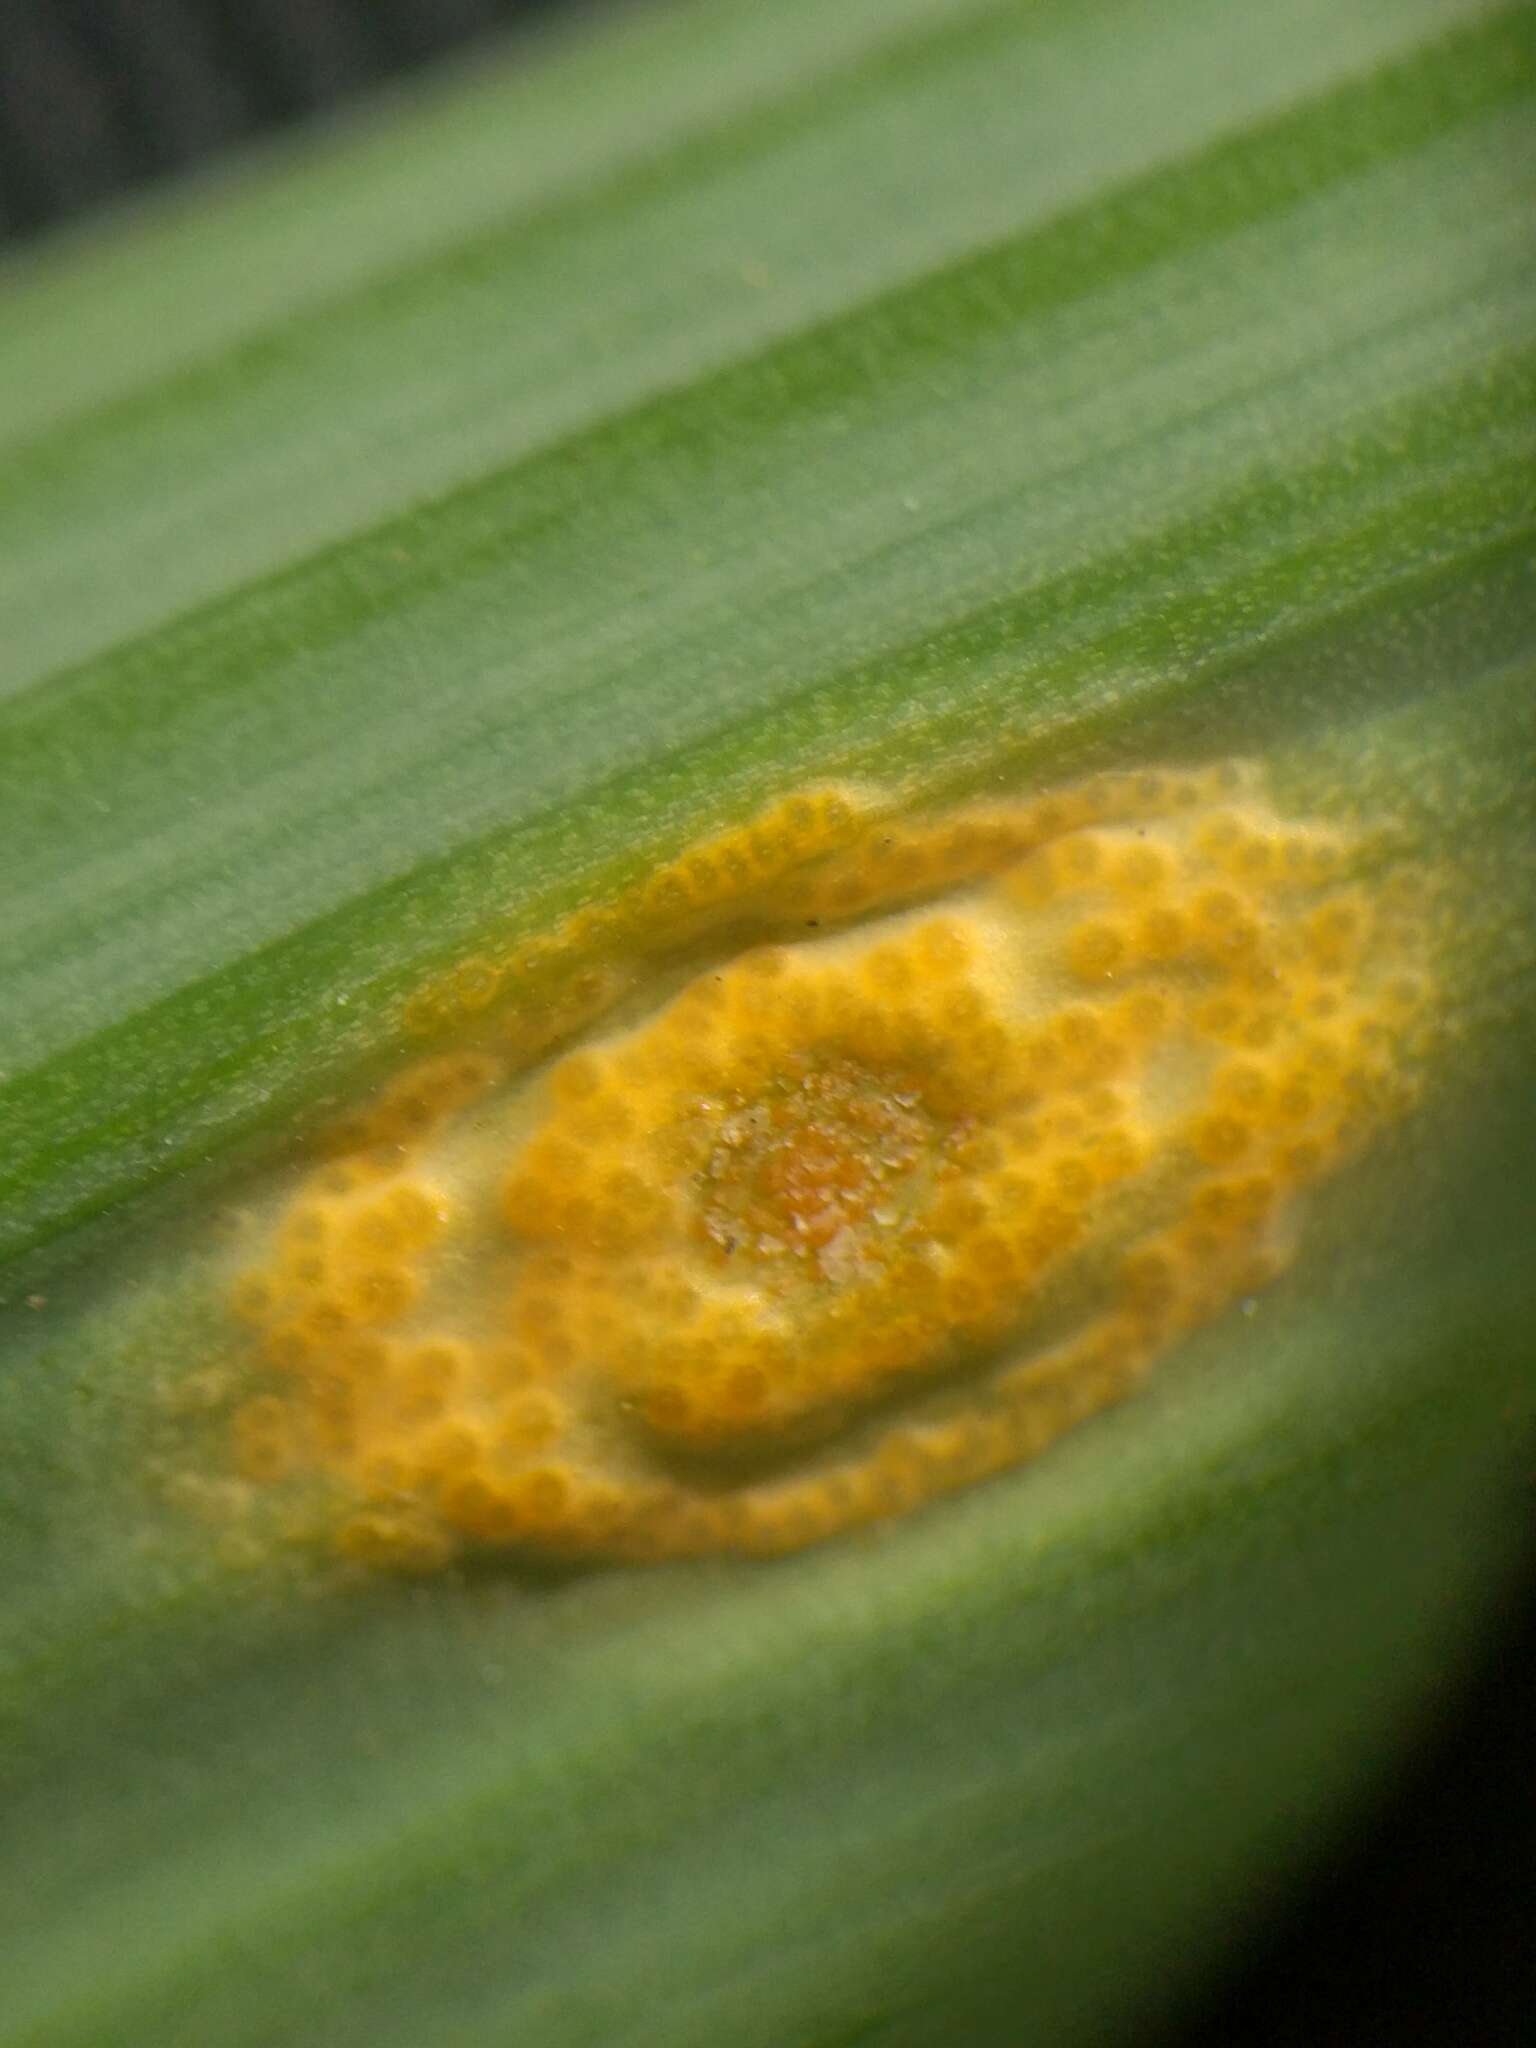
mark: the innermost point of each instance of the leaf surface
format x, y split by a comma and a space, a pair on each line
466, 512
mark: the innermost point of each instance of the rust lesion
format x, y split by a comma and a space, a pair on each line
939, 1132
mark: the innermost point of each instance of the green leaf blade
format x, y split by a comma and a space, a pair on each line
1121, 389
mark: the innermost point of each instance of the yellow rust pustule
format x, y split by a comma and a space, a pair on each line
937, 1133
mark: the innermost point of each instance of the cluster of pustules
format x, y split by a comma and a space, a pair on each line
910, 1143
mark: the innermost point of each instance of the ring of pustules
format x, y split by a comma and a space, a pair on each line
889, 1150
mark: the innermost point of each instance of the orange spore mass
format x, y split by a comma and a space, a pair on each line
946, 1130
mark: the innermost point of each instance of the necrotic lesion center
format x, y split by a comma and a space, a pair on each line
816, 1171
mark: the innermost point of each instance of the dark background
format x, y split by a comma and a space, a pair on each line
100, 95
1423, 1929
